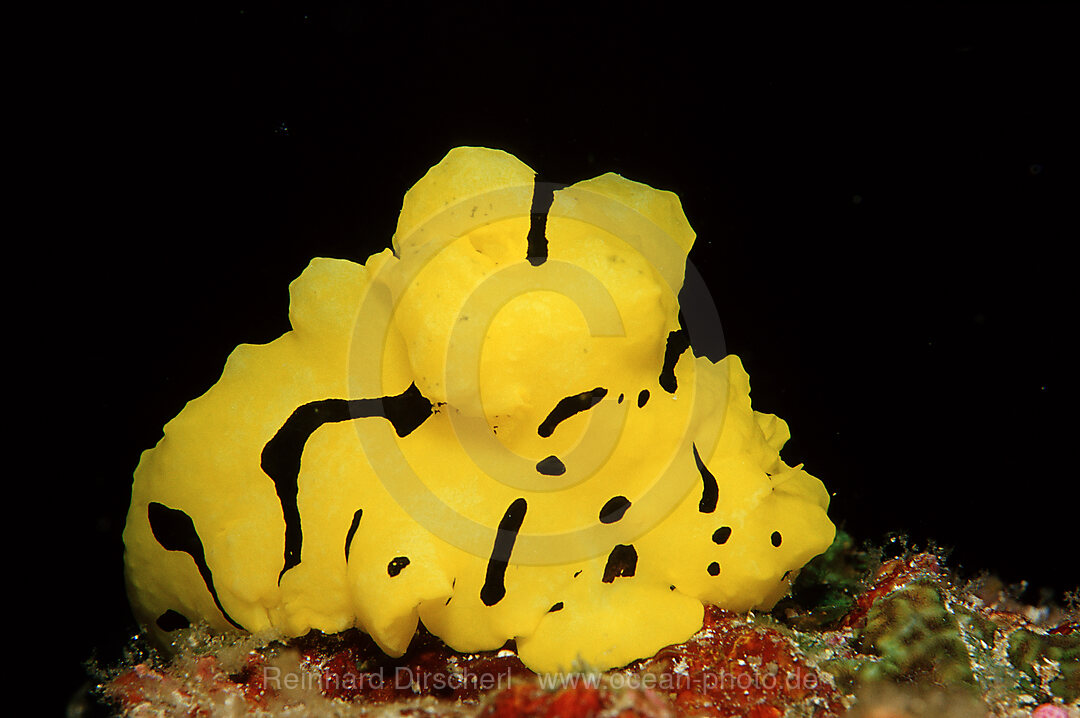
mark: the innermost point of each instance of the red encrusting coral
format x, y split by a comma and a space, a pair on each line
733, 667
529, 699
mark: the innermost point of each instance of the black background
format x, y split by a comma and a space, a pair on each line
882, 201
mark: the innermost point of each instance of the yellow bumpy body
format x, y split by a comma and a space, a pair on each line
496, 428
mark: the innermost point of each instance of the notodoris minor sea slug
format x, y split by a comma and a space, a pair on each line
498, 429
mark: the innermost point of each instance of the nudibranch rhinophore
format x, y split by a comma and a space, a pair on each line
497, 429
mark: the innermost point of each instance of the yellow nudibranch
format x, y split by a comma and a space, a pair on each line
496, 429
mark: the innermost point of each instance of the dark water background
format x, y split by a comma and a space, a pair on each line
883, 203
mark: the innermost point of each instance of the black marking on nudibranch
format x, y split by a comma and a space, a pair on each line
714, 569
281, 455
551, 466
776, 538
557, 607
568, 407
395, 567
175, 531
352, 531
614, 509
172, 621
643, 398
543, 197
678, 342
721, 535
494, 589
709, 491
621, 562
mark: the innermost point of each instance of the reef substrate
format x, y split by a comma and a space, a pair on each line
860, 635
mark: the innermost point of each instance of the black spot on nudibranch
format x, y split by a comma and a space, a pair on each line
643, 398
621, 398
352, 531
281, 455
494, 589
709, 491
614, 509
621, 562
551, 466
568, 407
678, 342
175, 531
557, 607
776, 538
721, 535
543, 197
714, 569
172, 621
397, 565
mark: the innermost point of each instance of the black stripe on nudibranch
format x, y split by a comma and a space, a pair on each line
494, 589
614, 509
709, 491
397, 565
621, 562
542, 199
175, 531
281, 455
352, 531
568, 407
551, 466
172, 621
678, 342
